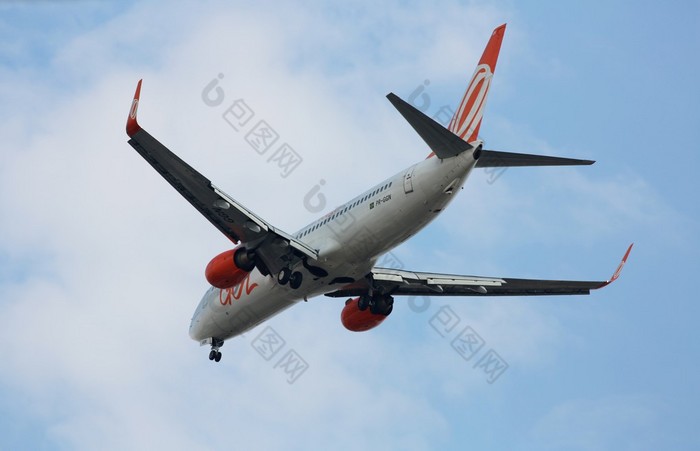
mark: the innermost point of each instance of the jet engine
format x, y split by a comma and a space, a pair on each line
229, 268
359, 316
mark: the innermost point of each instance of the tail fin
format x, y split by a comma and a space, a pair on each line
467, 119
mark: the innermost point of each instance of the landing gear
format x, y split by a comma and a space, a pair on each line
295, 280
286, 275
215, 354
363, 303
379, 304
283, 276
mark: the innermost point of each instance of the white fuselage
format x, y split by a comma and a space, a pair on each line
349, 241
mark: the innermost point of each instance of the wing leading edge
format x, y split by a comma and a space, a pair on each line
407, 283
239, 224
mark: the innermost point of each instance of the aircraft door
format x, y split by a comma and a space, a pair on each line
408, 180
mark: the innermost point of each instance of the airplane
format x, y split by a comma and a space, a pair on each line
270, 270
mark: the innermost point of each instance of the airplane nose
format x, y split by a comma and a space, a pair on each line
199, 319
195, 327
203, 324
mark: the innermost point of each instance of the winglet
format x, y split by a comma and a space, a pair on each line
132, 125
619, 268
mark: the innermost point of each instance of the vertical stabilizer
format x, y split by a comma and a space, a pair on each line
467, 119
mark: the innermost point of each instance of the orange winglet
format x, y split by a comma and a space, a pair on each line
619, 268
132, 125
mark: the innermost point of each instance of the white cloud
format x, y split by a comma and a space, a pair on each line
615, 422
95, 321
97, 338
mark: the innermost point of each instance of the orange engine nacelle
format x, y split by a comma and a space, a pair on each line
357, 320
229, 268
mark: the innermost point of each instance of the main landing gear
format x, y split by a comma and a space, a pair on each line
215, 354
378, 304
286, 275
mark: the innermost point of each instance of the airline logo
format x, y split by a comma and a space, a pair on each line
467, 119
465, 123
134, 108
226, 296
132, 125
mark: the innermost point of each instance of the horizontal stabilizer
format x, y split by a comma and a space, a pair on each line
441, 141
497, 159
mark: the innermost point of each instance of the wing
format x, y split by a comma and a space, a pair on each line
406, 283
274, 248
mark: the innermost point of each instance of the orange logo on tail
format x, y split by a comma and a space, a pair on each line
467, 119
465, 123
134, 108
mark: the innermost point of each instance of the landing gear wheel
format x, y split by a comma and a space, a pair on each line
363, 303
215, 354
387, 305
381, 305
295, 280
389, 309
284, 275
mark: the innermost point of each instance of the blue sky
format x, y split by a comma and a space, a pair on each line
101, 263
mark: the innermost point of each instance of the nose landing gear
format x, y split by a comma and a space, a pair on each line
215, 354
